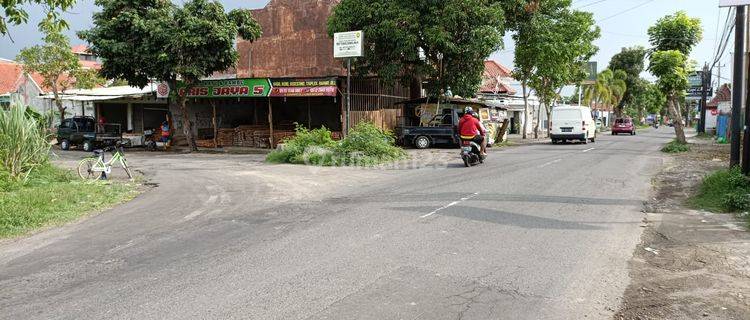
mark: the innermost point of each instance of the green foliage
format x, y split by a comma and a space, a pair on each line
553, 44
675, 146
140, 40
608, 90
366, 145
464, 32
306, 145
724, 191
676, 32
670, 68
24, 144
53, 196
560, 47
53, 60
16, 14
631, 61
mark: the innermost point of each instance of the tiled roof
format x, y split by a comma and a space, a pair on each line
492, 78
10, 76
81, 49
724, 94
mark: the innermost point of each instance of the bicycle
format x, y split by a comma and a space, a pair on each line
93, 168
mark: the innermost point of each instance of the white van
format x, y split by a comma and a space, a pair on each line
572, 123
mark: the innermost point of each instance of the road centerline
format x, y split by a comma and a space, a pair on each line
549, 163
589, 149
450, 205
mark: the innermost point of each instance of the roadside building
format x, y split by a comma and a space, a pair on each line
498, 86
719, 106
295, 54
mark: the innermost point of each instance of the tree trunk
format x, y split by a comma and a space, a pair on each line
538, 120
58, 102
640, 114
187, 128
525, 109
415, 88
674, 113
549, 114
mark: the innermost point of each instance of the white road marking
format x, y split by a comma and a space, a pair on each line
193, 214
450, 204
549, 163
589, 149
212, 199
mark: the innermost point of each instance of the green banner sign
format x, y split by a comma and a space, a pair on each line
230, 88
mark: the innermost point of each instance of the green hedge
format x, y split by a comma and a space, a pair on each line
365, 145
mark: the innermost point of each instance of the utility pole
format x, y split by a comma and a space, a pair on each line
738, 77
705, 82
746, 91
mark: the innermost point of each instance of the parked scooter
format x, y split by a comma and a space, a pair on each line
149, 140
471, 152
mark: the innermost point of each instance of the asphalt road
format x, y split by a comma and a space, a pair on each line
537, 232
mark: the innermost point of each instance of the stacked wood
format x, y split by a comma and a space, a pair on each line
205, 143
225, 137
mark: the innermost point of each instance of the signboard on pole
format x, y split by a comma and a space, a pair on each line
232, 88
695, 78
348, 44
733, 3
591, 73
696, 92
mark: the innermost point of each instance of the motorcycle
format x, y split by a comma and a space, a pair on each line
471, 152
150, 140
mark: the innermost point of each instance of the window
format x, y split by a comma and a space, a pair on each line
567, 114
65, 124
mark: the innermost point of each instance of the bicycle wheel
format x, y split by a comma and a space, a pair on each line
127, 169
86, 169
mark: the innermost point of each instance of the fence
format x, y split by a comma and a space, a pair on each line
374, 101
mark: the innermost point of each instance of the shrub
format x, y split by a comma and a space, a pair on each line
675, 146
724, 190
366, 144
24, 143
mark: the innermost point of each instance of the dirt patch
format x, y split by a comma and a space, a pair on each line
690, 264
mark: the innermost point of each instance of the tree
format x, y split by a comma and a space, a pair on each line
562, 48
608, 90
552, 45
669, 67
16, 14
58, 66
672, 38
631, 61
144, 40
461, 32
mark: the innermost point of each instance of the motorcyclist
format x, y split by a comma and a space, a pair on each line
484, 129
469, 128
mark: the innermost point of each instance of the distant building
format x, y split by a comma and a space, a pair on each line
720, 104
496, 80
86, 58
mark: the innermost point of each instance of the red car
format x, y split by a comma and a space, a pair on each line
623, 125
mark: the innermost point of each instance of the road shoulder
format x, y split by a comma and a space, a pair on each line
690, 264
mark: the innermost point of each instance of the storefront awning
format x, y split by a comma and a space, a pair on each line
100, 94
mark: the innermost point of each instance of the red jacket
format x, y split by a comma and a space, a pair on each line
469, 126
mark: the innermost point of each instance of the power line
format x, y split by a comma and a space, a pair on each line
591, 4
626, 10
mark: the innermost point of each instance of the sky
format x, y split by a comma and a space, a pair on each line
623, 24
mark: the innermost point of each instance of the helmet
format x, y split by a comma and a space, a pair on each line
476, 115
468, 110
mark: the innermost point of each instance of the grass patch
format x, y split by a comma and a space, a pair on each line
675, 147
366, 145
726, 190
53, 196
506, 143
643, 126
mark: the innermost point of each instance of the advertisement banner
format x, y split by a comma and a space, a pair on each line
231, 88
324, 87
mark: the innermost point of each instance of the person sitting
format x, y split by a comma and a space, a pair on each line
469, 126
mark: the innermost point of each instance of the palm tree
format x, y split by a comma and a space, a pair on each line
607, 91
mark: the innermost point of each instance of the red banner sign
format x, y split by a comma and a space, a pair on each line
329, 91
